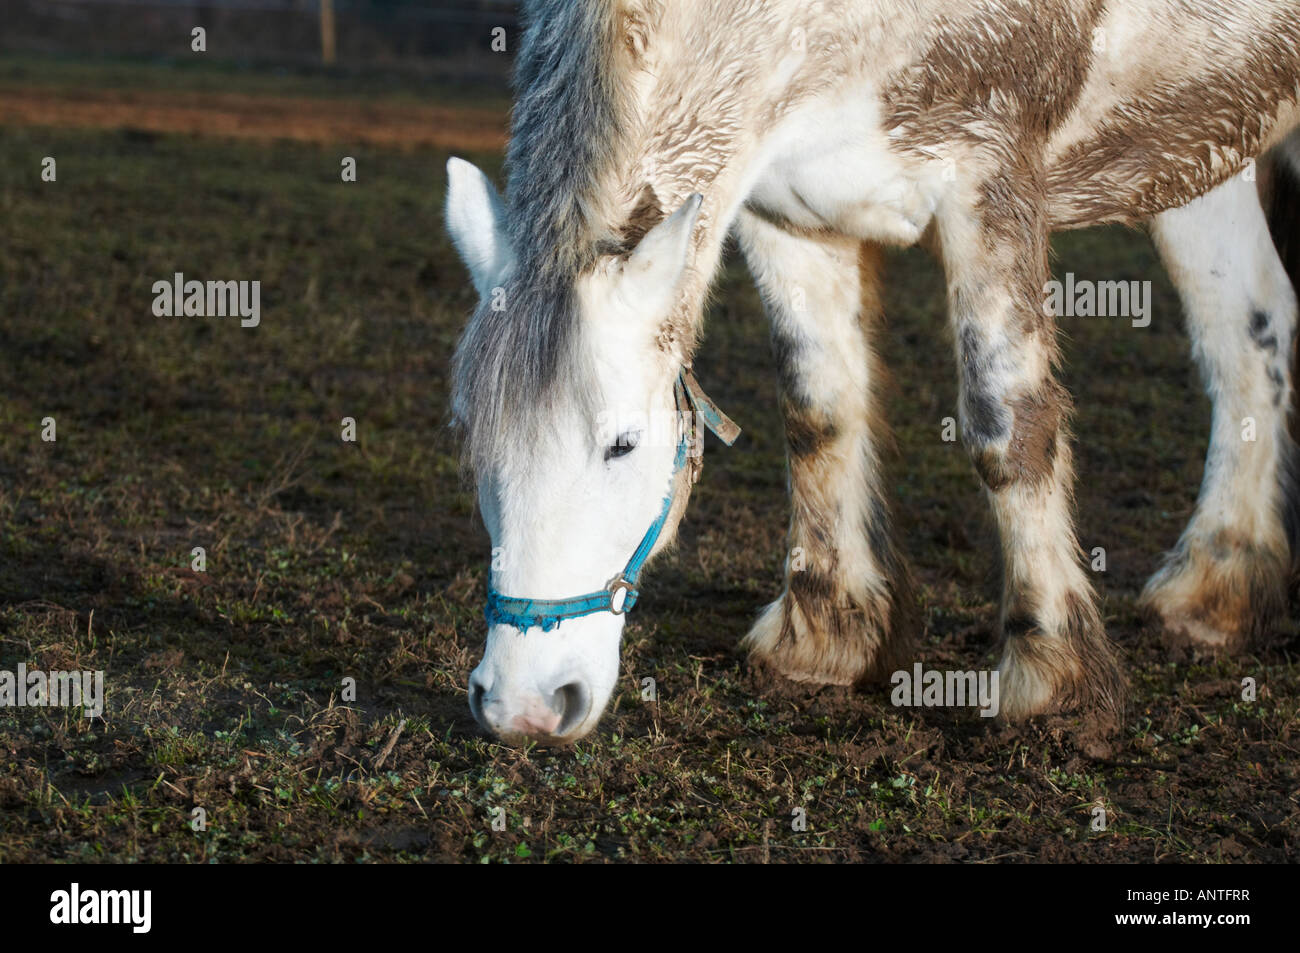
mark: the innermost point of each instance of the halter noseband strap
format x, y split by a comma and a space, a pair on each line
621, 593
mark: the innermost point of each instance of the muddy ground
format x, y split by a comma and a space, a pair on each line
328, 560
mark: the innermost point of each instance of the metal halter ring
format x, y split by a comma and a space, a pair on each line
616, 585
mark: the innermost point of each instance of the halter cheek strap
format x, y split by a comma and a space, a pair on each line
621, 593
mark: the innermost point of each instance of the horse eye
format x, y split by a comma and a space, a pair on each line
621, 447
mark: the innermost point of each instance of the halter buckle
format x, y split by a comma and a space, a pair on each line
619, 590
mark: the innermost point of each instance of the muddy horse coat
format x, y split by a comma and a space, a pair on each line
647, 131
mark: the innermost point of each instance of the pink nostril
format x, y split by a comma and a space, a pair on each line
536, 724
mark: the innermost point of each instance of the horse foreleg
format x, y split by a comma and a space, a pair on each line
1013, 418
846, 612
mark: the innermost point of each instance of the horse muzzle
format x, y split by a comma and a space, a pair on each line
549, 715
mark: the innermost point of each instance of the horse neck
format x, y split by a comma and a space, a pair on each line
714, 76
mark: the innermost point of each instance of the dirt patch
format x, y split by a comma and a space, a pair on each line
245, 116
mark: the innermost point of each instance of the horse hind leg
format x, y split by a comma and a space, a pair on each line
1223, 587
846, 612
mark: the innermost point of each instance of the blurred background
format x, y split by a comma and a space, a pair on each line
137, 64
424, 37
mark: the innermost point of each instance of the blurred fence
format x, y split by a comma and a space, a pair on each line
429, 36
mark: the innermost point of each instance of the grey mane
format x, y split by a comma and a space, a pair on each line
516, 369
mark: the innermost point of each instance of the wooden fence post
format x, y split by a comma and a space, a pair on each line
327, 34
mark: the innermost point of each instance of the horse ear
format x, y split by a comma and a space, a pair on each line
476, 221
656, 266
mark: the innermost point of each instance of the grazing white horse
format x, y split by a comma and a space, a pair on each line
646, 131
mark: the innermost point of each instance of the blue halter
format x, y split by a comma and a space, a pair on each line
621, 593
